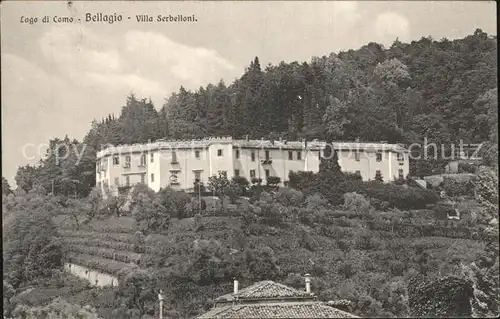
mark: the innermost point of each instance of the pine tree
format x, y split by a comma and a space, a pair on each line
330, 176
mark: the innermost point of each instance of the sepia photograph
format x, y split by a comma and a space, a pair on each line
249, 159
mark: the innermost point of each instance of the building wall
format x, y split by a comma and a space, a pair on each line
367, 164
162, 172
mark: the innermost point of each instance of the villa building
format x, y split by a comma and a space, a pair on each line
181, 163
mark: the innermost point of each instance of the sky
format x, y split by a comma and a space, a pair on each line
58, 77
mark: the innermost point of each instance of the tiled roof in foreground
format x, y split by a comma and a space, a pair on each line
266, 290
304, 309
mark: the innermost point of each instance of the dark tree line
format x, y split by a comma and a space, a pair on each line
440, 90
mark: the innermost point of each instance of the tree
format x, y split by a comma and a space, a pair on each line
174, 201
330, 176
6, 190
137, 290
336, 118
219, 184
54, 309
26, 177
30, 248
150, 215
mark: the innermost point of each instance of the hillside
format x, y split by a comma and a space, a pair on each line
443, 91
347, 254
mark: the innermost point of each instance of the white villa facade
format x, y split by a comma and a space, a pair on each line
179, 163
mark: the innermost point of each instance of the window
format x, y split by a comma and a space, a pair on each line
152, 178
143, 160
290, 155
267, 155
117, 181
127, 181
174, 157
252, 173
127, 161
143, 179
379, 157
197, 176
237, 154
253, 156
401, 158
152, 158
290, 173
356, 156
219, 152
267, 173
358, 173
197, 154
237, 172
299, 155
401, 175
116, 160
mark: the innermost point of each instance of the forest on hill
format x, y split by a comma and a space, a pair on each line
375, 245
445, 91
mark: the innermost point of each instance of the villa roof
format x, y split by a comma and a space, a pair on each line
307, 309
266, 290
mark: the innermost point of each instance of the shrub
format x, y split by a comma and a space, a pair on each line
301, 180
150, 215
467, 168
139, 245
243, 184
174, 201
356, 203
352, 176
273, 180
458, 187
446, 297
346, 269
199, 188
290, 197
380, 205
306, 240
256, 181
399, 196
195, 206
315, 202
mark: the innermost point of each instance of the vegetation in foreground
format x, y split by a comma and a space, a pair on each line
386, 263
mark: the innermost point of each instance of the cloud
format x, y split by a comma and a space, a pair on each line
390, 25
75, 49
346, 14
146, 63
191, 66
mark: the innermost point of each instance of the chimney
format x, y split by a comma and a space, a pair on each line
235, 287
308, 283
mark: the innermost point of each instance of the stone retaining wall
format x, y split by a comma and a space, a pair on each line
94, 277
